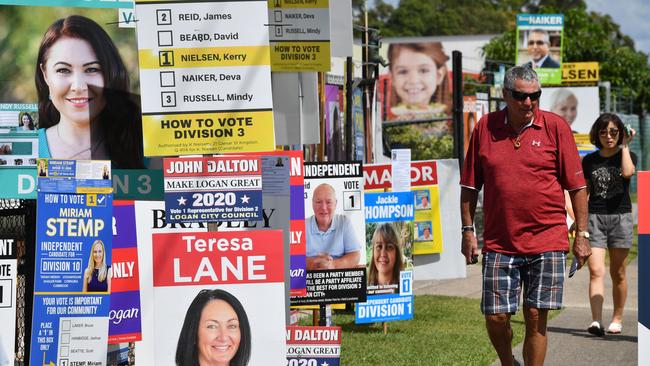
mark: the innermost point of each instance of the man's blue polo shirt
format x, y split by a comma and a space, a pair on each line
338, 240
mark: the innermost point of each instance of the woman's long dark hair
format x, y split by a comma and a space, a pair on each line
186, 351
120, 122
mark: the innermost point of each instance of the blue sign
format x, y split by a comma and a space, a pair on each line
73, 273
213, 206
390, 206
384, 308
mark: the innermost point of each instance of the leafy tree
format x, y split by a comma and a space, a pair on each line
590, 36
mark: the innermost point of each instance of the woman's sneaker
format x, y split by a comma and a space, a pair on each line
596, 329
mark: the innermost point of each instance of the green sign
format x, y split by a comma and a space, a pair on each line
131, 184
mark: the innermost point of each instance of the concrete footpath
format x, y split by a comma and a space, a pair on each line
568, 340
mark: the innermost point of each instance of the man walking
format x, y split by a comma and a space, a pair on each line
524, 158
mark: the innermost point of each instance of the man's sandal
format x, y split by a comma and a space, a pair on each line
615, 328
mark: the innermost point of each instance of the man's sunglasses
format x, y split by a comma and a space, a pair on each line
539, 43
522, 96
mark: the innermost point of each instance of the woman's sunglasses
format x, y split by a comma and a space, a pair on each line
612, 132
522, 96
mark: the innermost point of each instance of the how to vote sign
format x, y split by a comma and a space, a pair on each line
70, 320
213, 189
300, 35
205, 75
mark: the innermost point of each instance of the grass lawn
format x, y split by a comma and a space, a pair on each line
444, 331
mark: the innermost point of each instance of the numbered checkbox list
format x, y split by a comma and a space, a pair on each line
204, 56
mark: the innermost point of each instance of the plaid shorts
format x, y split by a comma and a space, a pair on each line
542, 276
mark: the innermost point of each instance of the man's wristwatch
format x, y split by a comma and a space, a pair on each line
468, 228
584, 234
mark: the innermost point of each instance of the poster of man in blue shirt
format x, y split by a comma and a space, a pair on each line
331, 239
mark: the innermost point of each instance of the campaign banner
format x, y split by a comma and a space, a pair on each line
389, 216
72, 278
313, 346
284, 208
539, 42
299, 35
427, 236
150, 219
213, 189
334, 229
218, 279
8, 278
74, 176
124, 315
205, 72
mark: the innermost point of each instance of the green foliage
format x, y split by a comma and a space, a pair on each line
423, 146
417, 18
590, 36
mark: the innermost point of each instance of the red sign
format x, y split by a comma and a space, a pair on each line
206, 258
378, 176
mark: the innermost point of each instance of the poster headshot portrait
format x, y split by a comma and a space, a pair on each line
388, 254
539, 44
97, 276
85, 71
332, 237
416, 84
578, 105
423, 231
422, 199
215, 331
180, 335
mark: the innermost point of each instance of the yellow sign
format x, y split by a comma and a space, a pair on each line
580, 72
208, 133
299, 35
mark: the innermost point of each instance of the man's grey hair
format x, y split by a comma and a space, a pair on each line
523, 72
544, 33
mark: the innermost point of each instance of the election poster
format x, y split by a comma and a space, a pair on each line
335, 232
8, 278
150, 219
283, 201
110, 97
579, 106
18, 135
644, 271
389, 247
124, 314
213, 189
299, 35
539, 43
313, 346
74, 176
205, 72
427, 236
218, 279
72, 275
